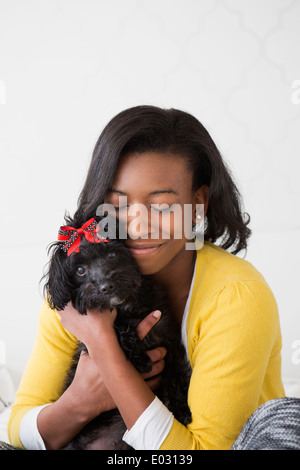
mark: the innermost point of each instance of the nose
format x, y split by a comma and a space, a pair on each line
106, 287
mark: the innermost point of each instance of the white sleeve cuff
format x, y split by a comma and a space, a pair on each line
148, 432
29, 433
151, 428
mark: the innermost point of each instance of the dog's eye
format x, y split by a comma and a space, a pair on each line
81, 270
112, 254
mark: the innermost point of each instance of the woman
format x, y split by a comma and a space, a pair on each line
227, 312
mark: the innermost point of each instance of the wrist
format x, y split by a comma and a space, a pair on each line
102, 341
72, 402
60, 415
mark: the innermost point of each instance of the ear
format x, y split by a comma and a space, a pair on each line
201, 196
57, 289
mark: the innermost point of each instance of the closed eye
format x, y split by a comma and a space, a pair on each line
162, 207
120, 208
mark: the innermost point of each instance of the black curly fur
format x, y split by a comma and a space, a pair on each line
112, 279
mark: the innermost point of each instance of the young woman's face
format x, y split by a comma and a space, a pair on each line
153, 178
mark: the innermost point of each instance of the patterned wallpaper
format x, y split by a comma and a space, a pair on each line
67, 66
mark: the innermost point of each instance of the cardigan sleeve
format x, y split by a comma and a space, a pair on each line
43, 378
235, 347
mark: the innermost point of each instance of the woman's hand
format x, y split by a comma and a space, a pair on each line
88, 394
87, 382
156, 355
87, 328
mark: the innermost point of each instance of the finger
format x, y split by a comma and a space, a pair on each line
157, 353
147, 323
157, 369
68, 310
109, 312
66, 314
154, 383
84, 353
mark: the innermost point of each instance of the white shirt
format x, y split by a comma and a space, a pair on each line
149, 431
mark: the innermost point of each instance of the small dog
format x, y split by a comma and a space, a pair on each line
99, 274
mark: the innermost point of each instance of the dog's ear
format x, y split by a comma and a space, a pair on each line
57, 289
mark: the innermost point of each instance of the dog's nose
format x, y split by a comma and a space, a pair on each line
106, 287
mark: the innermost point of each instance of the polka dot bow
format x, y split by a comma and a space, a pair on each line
72, 236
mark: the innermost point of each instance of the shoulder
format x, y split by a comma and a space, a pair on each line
225, 266
230, 291
216, 268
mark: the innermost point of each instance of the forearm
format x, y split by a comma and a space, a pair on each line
60, 422
126, 386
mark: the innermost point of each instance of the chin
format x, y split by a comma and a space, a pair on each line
156, 262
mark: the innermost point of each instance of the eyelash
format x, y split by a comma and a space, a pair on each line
120, 208
167, 209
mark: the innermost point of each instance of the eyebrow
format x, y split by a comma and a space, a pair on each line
153, 193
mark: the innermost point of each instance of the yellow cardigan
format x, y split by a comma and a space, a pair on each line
234, 347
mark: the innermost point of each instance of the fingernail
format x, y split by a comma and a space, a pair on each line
156, 314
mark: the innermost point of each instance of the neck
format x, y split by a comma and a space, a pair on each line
176, 280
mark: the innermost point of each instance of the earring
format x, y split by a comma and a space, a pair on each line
198, 227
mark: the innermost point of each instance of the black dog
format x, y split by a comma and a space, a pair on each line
104, 275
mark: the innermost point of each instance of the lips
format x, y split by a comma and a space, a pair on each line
143, 249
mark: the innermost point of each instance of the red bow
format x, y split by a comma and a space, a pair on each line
72, 236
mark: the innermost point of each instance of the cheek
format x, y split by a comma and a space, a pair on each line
176, 225
170, 225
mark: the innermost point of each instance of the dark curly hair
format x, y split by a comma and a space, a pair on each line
149, 128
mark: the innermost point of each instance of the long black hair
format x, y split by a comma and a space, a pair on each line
149, 128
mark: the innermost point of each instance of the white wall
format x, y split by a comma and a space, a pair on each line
68, 66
